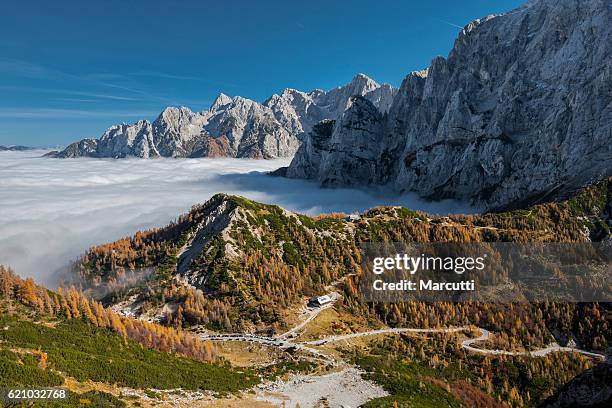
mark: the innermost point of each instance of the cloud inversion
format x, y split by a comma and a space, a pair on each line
52, 210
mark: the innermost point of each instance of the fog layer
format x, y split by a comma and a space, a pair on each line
52, 210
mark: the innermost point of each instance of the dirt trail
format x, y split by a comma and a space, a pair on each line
485, 334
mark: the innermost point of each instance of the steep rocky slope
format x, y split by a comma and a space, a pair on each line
590, 389
232, 127
300, 111
520, 112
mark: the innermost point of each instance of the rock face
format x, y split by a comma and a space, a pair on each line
300, 111
232, 127
519, 112
592, 388
351, 141
251, 130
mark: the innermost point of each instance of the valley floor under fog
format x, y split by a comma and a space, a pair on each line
51, 210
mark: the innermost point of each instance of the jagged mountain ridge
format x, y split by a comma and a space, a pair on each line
520, 112
231, 127
300, 111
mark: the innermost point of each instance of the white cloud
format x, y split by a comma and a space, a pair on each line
52, 210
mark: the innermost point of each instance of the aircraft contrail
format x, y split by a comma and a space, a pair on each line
451, 24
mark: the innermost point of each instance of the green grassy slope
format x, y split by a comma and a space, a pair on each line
84, 352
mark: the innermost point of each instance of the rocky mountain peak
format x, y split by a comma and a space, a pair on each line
173, 114
176, 126
300, 111
242, 101
220, 101
140, 123
290, 92
520, 112
469, 27
237, 127
362, 84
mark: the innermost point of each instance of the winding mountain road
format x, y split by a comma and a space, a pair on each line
466, 344
333, 339
284, 342
485, 334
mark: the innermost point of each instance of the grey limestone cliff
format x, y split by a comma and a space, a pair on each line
519, 112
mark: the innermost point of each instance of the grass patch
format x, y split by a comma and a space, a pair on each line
89, 353
405, 384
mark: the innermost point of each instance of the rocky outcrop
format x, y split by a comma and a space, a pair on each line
300, 111
231, 127
519, 112
592, 388
251, 130
85, 147
350, 141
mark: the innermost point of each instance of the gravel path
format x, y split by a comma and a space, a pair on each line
344, 388
485, 334
333, 339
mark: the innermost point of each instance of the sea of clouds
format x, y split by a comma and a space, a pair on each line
52, 210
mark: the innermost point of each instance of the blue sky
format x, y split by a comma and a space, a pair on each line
70, 69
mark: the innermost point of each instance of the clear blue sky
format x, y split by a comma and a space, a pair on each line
70, 69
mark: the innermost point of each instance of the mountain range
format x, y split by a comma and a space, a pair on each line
231, 127
517, 119
16, 148
519, 113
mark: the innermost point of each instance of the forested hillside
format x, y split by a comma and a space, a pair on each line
432, 371
233, 264
54, 339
